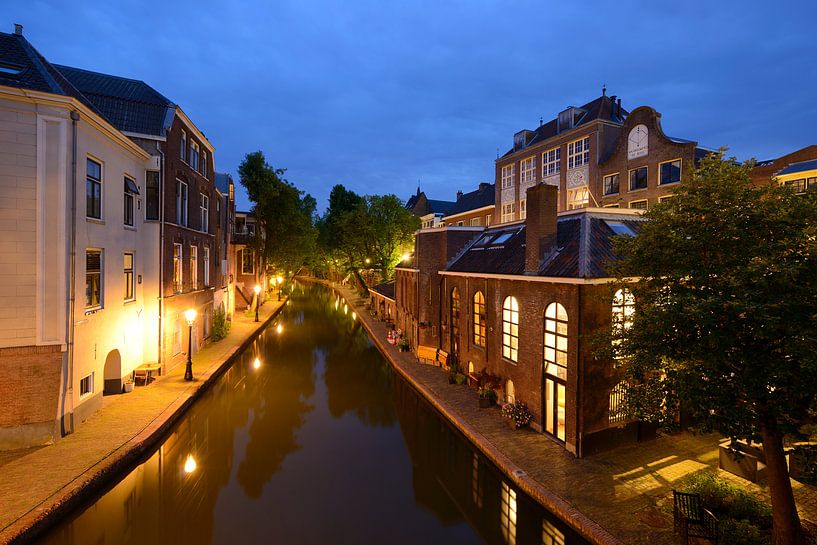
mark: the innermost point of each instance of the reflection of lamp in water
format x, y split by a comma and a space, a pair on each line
190, 464
354, 316
279, 329
256, 364
257, 289
190, 316
345, 309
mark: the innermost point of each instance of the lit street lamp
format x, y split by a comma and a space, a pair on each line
280, 281
256, 364
190, 315
257, 300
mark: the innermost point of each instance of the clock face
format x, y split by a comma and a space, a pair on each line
637, 142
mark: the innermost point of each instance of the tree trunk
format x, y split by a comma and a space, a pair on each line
787, 529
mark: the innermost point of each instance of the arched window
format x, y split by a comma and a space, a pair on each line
470, 368
510, 329
510, 393
623, 309
455, 320
479, 319
556, 341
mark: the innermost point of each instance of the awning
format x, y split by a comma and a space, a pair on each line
130, 187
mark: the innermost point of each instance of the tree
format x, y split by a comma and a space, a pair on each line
286, 215
725, 321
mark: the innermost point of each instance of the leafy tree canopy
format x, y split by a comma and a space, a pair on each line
726, 314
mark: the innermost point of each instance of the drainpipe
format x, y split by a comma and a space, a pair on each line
161, 253
68, 400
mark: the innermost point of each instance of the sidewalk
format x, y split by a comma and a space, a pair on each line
621, 496
111, 440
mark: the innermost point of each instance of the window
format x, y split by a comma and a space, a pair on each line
455, 320
177, 268
615, 205
527, 171
488, 219
460, 223
507, 514
556, 341
639, 205
152, 195
181, 203
508, 175
93, 279
130, 191
474, 222
183, 146
247, 262
508, 212
194, 155
479, 319
617, 394
510, 329
578, 198
203, 168
93, 189
86, 385
670, 172
610, 184
206, 257
510, 393
638, 178
523, 212
129, 292
622, 314
551, 162
551, 535
204, 213
665, 198
578, 153
194, 267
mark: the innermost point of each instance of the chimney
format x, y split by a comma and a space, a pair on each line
459, 195
18, 29
540, 225
483, 186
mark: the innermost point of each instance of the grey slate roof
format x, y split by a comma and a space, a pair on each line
440, 207
600, 108
223, 182
802, 166
385, 289
584, 245
129, 105
483, 196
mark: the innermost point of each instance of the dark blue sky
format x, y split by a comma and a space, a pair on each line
376, 95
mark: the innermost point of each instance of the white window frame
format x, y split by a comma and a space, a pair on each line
639, 201
578, 197
206, 258
194, 267
557, 341
604, 184
578, 153
128, 276
508, 176
195, 152
101, 281
488, 219
204, 213
182, 202
129, 203
243, 261
630, 178
178, 268
551, 162
87, 388
508, 212
474, 222
203, 168
510, 328
527, 170
97, 181
183, 146
523, 208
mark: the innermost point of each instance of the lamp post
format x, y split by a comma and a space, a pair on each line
190, 315
257, 299
280, 281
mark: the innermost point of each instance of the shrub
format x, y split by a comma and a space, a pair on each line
742, 532
220, 325
518, 412
460, 379
488, 393
729, 501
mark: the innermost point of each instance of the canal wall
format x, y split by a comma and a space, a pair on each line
112, 442
573, 517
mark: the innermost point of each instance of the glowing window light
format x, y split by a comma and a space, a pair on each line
507, 514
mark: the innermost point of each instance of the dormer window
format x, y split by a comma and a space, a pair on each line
522, 138
10, 69
569, 118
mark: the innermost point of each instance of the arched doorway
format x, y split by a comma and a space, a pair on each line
113, 373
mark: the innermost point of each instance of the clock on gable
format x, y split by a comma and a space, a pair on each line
637, 142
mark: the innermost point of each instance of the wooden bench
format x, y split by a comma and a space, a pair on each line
690, 519
442, 358
427, 354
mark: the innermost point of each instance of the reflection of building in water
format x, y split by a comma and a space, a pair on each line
456, 483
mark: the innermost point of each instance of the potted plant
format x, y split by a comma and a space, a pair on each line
487, 397
128, 386
403, 345
460, 379
517, 414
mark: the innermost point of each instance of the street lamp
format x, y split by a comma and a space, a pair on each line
257, 299
280, 281
256, 364
190, 316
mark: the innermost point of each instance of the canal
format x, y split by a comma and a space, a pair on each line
311, 438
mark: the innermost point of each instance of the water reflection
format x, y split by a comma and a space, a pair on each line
311, 438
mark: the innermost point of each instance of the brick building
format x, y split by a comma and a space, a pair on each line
472, 209
598, 155
247, 267
179, 196
430, 211
522, 301
791, 169
224, 294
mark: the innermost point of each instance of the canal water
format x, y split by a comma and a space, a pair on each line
311, 438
